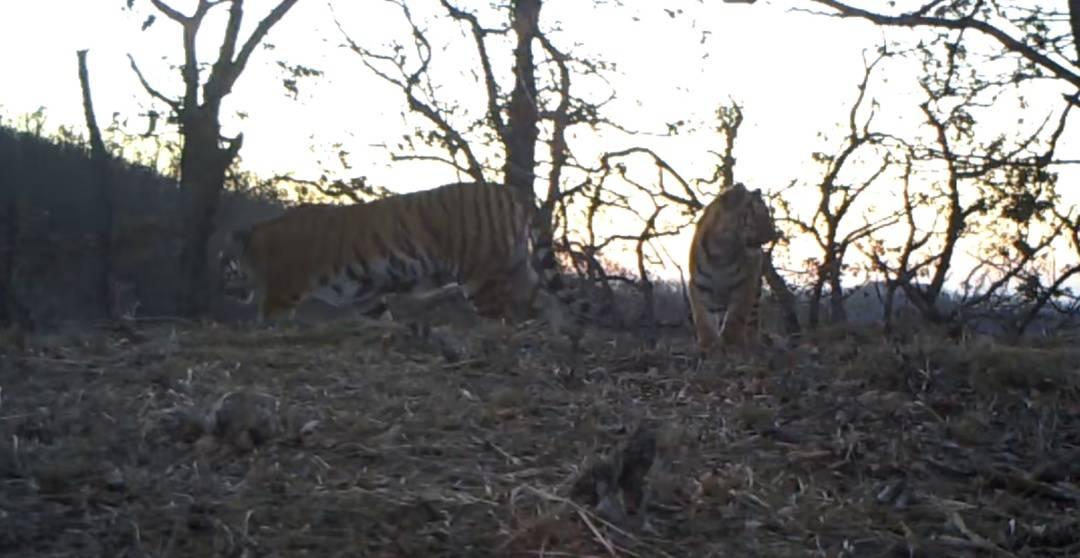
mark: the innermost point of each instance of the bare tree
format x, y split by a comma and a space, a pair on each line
605, 199
206, 154
1048, 290
1000, 177
535, 112
1018, 255
99, 158
829, 225
896, 270
996, 190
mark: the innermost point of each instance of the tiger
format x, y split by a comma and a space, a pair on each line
726, 259
477, 235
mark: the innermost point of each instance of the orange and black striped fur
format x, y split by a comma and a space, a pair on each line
726, 259
476, 235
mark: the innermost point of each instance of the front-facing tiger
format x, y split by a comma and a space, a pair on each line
473, 234
726, 258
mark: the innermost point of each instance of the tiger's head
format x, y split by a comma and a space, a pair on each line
755, 223
236, 272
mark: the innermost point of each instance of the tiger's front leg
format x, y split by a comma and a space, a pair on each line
733, 331
722, 340
722, 334
271, 308
705, 323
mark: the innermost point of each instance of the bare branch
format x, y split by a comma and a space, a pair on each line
920, 19
260, 32
226, 69
170, 12
478, 33
557, 145
691, 200
351, 189
454, 140
175, 105
449, 162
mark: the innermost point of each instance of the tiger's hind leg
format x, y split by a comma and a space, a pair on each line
517, 295
740, 328
492, 298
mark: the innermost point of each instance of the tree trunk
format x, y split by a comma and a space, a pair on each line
816, 294
522, 127
837, 313
99, 159
648, 311
887, 306
203, 163
788, 304
1074, 20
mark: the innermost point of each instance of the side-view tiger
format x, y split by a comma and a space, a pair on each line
476, 235
726, 259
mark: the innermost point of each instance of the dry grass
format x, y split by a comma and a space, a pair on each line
355, 439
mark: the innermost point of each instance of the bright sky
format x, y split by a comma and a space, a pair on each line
793, 73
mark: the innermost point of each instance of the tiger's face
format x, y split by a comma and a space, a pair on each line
237, 277
756, 225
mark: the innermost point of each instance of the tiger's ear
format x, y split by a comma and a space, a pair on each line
736, 195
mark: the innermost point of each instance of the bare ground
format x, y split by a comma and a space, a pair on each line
359, 439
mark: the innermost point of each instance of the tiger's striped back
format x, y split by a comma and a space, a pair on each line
473, 234
726, 260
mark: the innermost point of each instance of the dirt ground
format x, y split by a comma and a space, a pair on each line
361, 439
